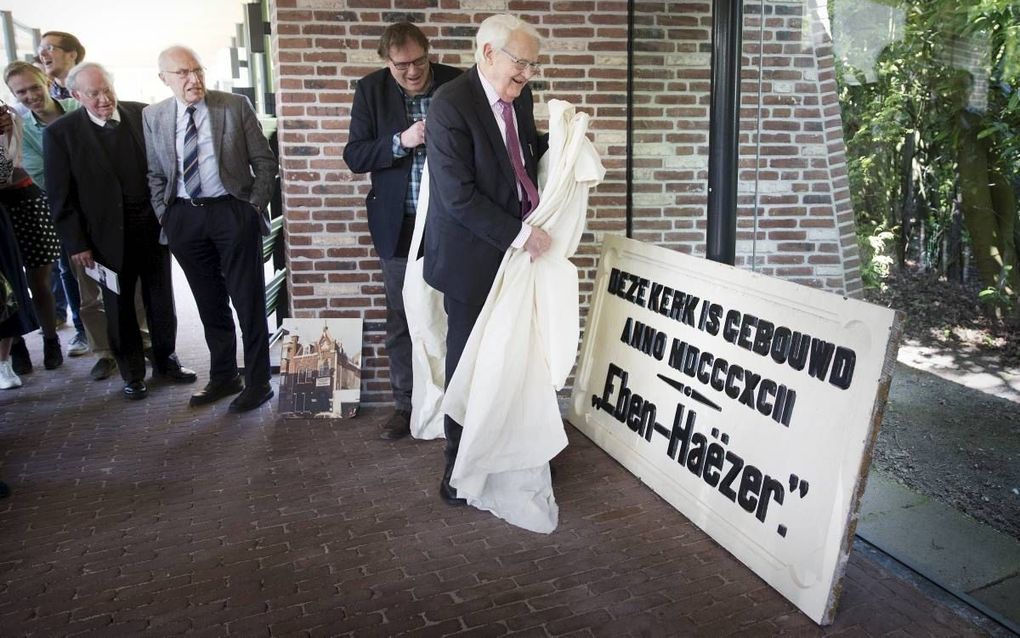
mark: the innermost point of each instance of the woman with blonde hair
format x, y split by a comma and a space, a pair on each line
29, 215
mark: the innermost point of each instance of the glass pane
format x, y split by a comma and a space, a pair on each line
927, 90
927, 97
794, 216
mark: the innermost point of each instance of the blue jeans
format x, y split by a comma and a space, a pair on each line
65, 290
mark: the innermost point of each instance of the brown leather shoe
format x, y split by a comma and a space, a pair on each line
104, 368
397, 427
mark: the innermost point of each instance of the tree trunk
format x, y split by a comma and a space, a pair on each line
954, 242
908, 201
989, 207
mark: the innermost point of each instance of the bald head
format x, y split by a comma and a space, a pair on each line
180, 69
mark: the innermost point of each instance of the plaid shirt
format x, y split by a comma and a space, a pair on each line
416, 107
58, 92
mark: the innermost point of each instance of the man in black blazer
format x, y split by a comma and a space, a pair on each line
483, 184
94, 162
387, 138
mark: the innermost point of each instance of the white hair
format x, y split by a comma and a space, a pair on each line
72, 76
496, 31
164, 55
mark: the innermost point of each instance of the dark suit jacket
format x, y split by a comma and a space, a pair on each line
377, 114
474, 211
83, 188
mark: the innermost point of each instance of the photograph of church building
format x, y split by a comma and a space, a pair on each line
318, 376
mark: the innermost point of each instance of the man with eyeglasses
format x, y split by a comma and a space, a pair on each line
94, 162
211, 176
58, 53
484, 149
387, 139
84, 295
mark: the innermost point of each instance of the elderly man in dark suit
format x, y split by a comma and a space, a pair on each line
387, 138
94, 163
211, 176
483, 159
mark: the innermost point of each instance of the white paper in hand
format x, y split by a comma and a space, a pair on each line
107, 278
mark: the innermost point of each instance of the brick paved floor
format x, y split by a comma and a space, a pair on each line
153, 518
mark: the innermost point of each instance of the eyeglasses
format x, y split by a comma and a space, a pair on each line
50, 48
182, 74
522, 64
95, 94
418, 64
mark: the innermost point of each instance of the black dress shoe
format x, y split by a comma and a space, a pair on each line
21, 361
135, 390
397, 427
180, 375
174, 371
449, 495
216, 390
251, 398
53, 356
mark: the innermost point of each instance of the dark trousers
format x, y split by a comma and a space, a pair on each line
460, 319
147, 262
219, 247
398, 336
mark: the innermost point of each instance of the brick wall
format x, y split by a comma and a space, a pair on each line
803, 230
804, 222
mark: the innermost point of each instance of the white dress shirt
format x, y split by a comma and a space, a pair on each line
208, 167
101, 123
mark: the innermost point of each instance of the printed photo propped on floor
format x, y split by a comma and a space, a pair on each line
320, 368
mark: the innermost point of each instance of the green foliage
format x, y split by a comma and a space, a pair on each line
877, 259
998, 296
918, 91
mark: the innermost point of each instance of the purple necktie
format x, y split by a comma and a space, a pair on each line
530, 200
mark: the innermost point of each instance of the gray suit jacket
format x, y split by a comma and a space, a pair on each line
247, 164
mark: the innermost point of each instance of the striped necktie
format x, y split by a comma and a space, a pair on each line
192, 180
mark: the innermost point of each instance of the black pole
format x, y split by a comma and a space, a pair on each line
629, 162
723, 130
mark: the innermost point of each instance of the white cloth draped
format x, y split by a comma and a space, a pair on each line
521, 349
426, 323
